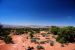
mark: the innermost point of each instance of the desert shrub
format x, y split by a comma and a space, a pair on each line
4, 31
67, 35
53, 36
49, 33
52, 43
38, 38
62, 45
43, 35
0, 27
33, 40
55, 30
42, 42
7, 39
66, 38
37, 30
48, 41
19, 31
39, 47
31, 34
30, 48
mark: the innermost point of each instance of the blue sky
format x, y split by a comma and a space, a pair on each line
37, 12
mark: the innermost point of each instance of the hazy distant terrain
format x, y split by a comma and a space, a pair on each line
26, 26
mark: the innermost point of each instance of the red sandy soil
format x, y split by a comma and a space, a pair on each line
2, 42
21, 43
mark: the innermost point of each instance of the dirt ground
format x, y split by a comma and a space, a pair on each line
21, 43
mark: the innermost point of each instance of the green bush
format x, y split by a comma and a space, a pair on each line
4, 31
55, 30
8, 39
67, 35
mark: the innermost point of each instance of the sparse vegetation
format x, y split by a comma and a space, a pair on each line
8, 39
30, 48
4, 32
33, 40
52, 43
42, 42
62, 35
62, 45
55, 30
67, 35
19, 31
39, 47
31, 34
